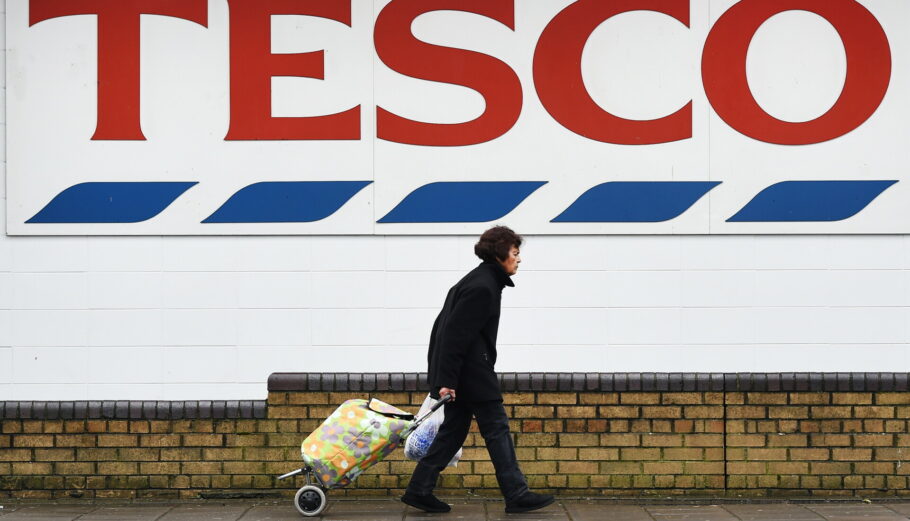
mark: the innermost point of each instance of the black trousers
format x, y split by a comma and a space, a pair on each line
494, 427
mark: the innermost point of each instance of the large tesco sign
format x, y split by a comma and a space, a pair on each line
608, 194
556, 69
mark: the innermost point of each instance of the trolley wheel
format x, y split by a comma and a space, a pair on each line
310, 501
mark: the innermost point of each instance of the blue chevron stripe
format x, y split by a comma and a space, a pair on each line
461, 202
810, 201
286, 201
101, 202
635, 201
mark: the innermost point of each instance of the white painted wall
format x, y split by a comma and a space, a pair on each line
204, 317
212, 317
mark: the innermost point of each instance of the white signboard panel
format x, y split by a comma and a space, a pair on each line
191, 117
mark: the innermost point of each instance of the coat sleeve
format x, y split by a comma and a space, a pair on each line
432, 346
469, 315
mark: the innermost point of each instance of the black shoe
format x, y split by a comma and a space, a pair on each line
427, 503
529, 501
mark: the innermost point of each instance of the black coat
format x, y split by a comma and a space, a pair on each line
462, 350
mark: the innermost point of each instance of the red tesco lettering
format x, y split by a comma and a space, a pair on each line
556, 70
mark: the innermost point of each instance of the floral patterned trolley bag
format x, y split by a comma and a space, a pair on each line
354, 437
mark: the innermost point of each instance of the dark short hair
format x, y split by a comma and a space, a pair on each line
496, 243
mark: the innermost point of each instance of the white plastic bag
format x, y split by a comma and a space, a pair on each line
418, 442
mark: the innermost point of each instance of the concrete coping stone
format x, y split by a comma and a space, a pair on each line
132, 410
407, 382
606, 382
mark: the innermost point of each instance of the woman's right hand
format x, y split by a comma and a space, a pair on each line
446, 391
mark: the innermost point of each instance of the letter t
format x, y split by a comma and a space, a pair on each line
118, 52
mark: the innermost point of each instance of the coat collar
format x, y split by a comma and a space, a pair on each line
499, 272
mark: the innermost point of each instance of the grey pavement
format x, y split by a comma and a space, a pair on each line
462, 509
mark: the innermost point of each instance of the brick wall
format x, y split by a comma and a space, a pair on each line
576, 434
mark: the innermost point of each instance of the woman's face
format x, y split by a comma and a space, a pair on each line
512, 261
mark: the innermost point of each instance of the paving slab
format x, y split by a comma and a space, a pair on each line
773, 512
900, 508
857, 512
462, 510
599, 511
46, 512
208, 512
283, 512
366, 510
690, 513
496, 511
136, 512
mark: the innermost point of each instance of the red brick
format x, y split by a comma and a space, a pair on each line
22, 469
704, 467
892, 398
766, 398
823, 467
576, 411
788, 467
15, 455
661, 411
661, 440
830, 412
118, 468
598, 398
629, 454
535, 440
620, 440
690, 454
746, 440
703, 411
788, 412
181, 454
756, 454
788, 440
597, 426
557, 398
578, 440
576, 426
245, 440
842, 398
82, 468
54, 455
703, 440
117, 440
577, 467
663, 467
618, 411
164, 468
684, 398
876, 440
46, 440
203, 440
530, 411
639, 398
598, 454
879, 411
160, 440
740, 467
810, 454
746, 411
851, 454
554, 453
810, 398
620, 467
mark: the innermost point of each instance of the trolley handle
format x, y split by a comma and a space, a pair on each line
436, 406
442, 401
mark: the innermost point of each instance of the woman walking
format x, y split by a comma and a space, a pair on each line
461, 359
